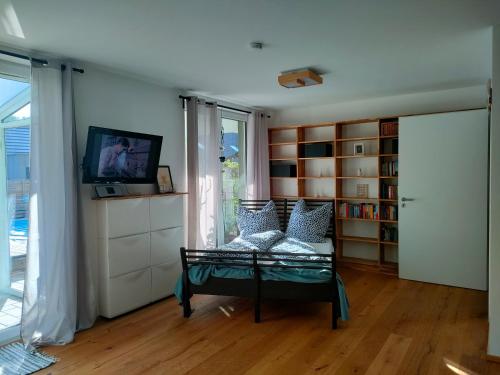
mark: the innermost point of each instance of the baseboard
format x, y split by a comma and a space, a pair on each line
493, 358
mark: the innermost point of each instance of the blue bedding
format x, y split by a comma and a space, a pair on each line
199, 274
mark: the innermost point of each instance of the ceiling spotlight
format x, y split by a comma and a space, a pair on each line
299, 78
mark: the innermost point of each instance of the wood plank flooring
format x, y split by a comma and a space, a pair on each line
396, 327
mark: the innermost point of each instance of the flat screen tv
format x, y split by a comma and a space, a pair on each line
120, 156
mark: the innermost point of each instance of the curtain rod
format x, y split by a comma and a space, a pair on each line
219, 105
39, 61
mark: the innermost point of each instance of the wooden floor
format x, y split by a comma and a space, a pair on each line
396, 327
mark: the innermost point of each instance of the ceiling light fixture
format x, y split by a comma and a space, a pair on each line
299, 78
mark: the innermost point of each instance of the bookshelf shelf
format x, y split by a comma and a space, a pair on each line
358, 239
318, 158
357, 156
336, 178
317, 141
355, 139
317, 178
282, 144
357, 177
356, 199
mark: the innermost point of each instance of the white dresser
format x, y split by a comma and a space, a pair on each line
138, 244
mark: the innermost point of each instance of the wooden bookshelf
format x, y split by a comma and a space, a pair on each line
336, 178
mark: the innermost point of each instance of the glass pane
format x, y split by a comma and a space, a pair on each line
232, 173
21, 114
17, 153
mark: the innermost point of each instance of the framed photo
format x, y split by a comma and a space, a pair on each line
164, 179
359, 149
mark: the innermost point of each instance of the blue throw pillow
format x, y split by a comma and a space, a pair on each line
250, 222
309, 225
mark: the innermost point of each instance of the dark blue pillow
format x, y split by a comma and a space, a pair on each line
309, 225
250, 222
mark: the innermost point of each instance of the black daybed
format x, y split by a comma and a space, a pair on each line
258, 262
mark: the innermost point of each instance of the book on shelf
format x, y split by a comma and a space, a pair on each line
389, 191
389, 128
389, 213
359, 211
389, 233
389, 168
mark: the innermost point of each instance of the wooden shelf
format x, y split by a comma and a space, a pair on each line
318, 158
356, 199
358, 239
318, 141
342, 182
317, 178
356, 177
392, 243
319, 198
357, 156
356, 219
357, 139
283, 144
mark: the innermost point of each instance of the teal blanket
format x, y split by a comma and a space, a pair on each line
198, 274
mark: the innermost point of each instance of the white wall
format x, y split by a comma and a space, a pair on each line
425, 102
117, 101
494, 259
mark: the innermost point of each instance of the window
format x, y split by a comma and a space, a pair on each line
233, 172
15, 113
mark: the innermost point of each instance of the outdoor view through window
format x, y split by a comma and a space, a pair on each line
15, 113
233, 174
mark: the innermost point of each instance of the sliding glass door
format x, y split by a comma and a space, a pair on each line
15, 113
233, 185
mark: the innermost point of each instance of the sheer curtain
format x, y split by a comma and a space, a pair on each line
257, 157
58, 296
204, 174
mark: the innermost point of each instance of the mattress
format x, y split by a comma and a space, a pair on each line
323, 247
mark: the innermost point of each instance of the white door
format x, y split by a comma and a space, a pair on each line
443, 198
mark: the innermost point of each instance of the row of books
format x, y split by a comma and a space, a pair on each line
389, 234
389, 128
389, 168
389, 191
389, 212
359, 211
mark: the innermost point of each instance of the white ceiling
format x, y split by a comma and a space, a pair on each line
365, 48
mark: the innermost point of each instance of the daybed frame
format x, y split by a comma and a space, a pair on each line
256, 288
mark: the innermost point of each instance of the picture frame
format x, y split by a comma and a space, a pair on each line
359, 149
164, 179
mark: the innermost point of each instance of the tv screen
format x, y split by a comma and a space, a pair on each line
121, 156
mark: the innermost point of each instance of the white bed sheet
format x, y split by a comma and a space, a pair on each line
323, 247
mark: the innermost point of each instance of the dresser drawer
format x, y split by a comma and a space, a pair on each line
165, 245
127, 217
127, 292
127, 254
163, 279
167, 212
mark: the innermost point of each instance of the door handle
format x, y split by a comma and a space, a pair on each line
404, 199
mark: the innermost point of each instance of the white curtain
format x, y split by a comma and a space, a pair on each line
58, 297
204, 174
257, 157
